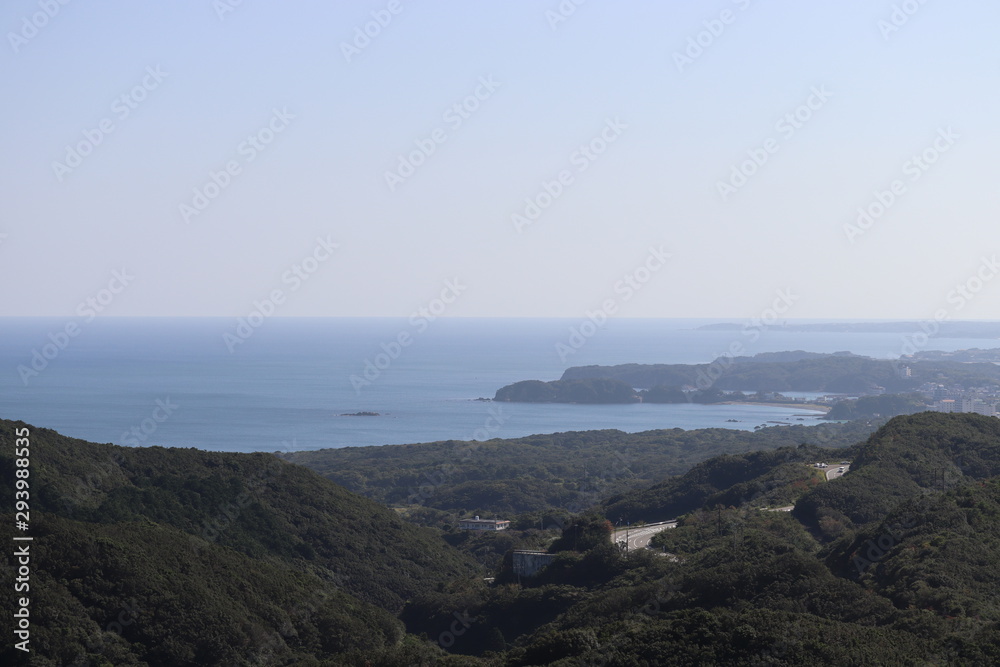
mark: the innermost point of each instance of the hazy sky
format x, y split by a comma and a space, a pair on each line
738, 137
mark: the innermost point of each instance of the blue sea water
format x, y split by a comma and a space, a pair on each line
174, 382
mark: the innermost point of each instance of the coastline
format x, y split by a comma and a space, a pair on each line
812, 407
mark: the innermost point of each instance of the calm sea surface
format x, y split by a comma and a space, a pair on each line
174, 382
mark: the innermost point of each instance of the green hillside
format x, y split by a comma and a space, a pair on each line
840, 372
590, 390
180, 557
540, 473
223, 557
906, 459
772, 478
746, 586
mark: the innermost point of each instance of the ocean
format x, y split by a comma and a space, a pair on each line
295, 384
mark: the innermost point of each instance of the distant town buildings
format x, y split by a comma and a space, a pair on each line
956, 398
979, 406
483, 524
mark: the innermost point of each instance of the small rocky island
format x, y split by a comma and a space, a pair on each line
360, 414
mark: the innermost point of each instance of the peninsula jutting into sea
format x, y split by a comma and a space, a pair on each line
500, 334
847, 384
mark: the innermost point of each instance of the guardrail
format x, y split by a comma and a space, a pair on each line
645, 525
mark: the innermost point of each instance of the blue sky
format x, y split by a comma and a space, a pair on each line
665, 133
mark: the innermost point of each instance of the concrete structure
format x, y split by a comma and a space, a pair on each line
483, 524
528, 563
979, 406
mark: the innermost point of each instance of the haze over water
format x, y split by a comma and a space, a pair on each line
291, 380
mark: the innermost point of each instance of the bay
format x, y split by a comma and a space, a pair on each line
174, 381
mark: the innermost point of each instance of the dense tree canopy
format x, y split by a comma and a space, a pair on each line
170, 557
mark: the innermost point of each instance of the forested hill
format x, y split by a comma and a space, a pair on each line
895, 563
177, 557
590, 390
180, 556
840, 373
908, 458
540, 473
774, 478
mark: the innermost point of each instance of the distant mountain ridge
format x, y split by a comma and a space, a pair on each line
839, 372
779, 371
953, 329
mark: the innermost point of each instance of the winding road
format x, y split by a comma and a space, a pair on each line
639, 536
834, 471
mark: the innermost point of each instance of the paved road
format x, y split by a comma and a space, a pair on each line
833, 472
639, 536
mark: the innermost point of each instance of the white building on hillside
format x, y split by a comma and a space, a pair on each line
483, 524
